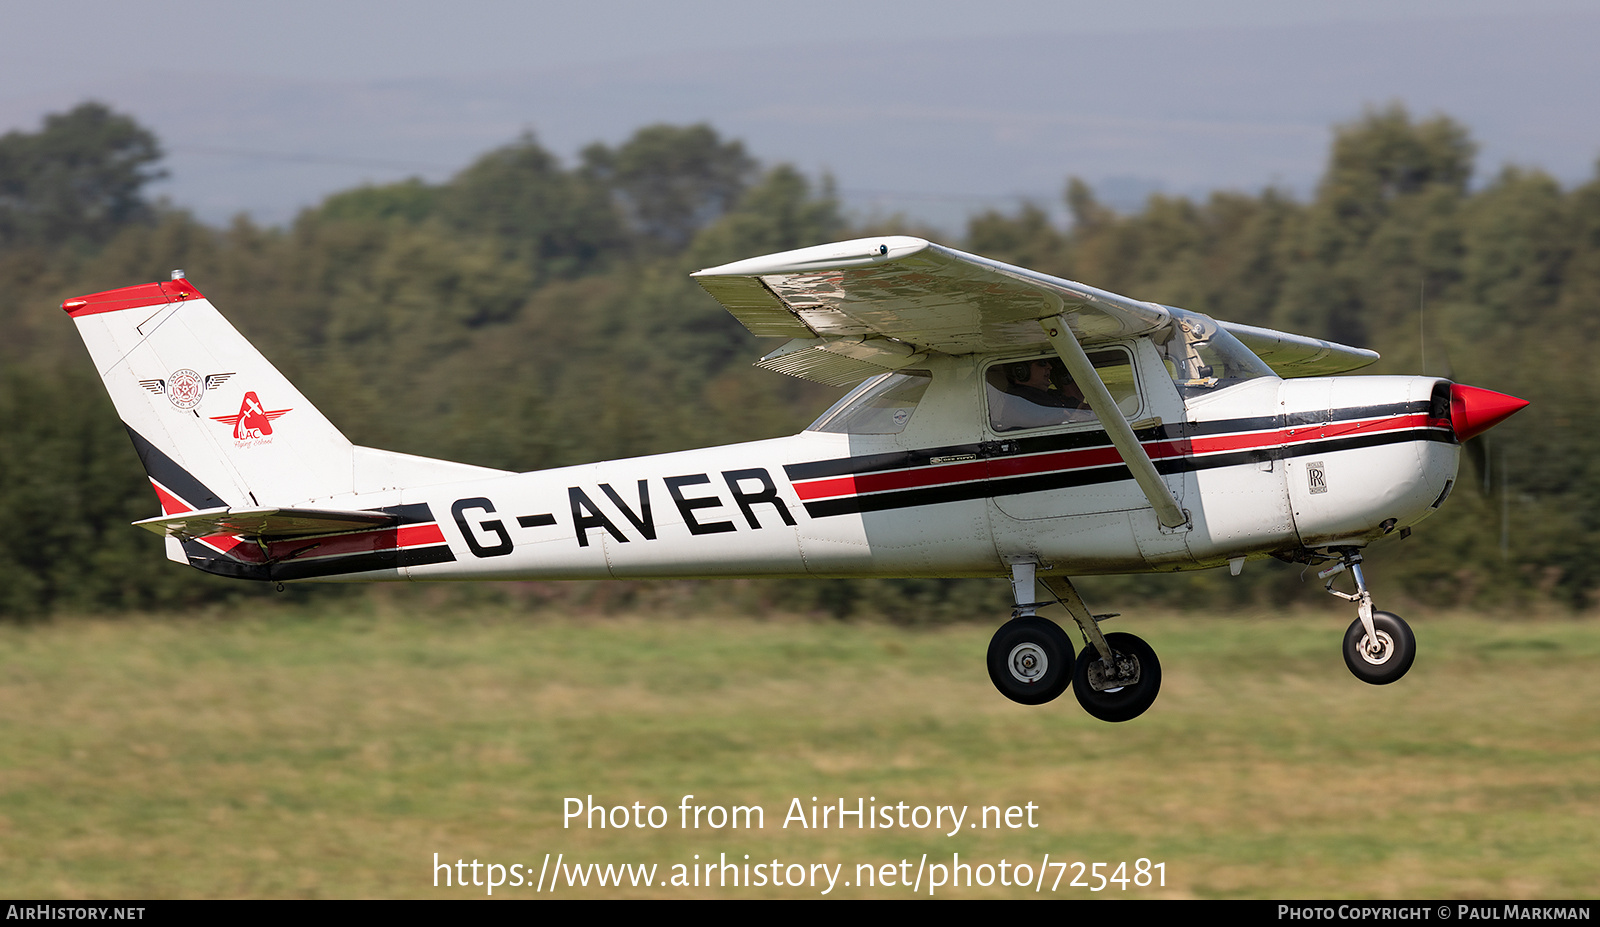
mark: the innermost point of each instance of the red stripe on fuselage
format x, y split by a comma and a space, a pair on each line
1086, 458
338, 545
1304, 434
895, 479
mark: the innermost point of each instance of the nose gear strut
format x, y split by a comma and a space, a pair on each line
1379, 647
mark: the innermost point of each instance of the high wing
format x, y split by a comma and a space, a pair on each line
855, 308
1298, 355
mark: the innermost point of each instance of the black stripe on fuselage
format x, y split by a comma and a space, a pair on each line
1086, 476
1078, 440
178, 481
208, 560
412, 513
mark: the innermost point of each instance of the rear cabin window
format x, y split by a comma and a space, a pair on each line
1037, 392
882, 405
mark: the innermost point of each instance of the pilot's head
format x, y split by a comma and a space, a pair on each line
1035, 374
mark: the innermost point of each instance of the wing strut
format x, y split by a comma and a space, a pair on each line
1116, 424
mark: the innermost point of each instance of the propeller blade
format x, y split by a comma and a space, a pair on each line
1481, 455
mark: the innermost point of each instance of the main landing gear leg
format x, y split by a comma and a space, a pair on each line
1378, 647
1117, 676
1030, 658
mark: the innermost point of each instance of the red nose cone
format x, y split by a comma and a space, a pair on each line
1474, 411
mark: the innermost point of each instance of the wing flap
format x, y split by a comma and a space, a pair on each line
839, 361
265, 523
749, 301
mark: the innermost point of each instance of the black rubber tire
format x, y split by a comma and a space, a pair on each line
1398, 649
1128, 702
1030, 660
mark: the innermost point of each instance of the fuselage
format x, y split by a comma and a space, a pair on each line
934, 487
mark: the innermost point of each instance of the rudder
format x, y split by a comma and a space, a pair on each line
213, 421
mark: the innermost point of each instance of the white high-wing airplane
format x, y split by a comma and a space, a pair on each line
1007, 423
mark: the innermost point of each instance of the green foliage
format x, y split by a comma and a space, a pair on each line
558, 222
777, 214
672, 181
1383, 158
1026, 239
75, 181
407, 201
69, 486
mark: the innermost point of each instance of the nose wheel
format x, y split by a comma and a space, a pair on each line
1384, 655
1378, 647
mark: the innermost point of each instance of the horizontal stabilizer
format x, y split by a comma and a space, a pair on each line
270, 524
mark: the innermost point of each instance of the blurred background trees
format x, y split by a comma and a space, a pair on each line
77, 181
527, 314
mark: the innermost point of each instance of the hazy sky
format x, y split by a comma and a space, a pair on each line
266, 107
68, 40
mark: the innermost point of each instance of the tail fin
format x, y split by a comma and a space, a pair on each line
254, 482
214, 422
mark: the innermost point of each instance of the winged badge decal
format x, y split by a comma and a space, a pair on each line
184, 388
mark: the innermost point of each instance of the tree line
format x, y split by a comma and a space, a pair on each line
527, 314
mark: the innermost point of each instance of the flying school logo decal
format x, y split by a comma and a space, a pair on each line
184, 388
253, 425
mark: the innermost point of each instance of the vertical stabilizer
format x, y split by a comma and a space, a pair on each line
213, 421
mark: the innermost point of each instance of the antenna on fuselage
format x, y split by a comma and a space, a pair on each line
1422, 328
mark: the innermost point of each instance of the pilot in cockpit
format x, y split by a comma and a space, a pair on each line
1033, 394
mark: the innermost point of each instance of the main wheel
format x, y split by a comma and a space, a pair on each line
1384, 660
1097, 689
1030, 660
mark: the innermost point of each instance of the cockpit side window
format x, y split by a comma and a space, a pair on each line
1038, 392
882, 405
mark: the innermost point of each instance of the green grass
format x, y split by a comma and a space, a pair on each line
322, 755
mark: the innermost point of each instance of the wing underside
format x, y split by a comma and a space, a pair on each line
859, 307
856, 308
1299, 355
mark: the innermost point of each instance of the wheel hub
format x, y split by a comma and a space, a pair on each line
1376, 652
1123, 672
1028, 663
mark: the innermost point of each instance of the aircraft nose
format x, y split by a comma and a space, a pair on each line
1474, 411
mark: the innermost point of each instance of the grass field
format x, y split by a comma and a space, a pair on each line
324, 755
